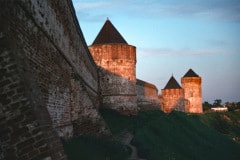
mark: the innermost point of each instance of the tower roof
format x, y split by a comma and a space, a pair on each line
190, 73
172, 84
108, 34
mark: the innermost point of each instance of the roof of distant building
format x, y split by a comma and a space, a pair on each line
108, 34
190, 73
172, 84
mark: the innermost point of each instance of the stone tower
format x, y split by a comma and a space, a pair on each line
172, 97
192, 85
117, 69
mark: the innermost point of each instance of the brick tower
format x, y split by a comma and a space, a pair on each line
117, 69
172, 97
192, 86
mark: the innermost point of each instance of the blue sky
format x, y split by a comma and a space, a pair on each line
172, 36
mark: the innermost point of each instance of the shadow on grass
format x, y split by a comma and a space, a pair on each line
162, 136
94, 148
174, 136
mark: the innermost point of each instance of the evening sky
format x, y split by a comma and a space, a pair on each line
172, 36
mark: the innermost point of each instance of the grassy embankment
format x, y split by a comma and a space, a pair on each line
163, 136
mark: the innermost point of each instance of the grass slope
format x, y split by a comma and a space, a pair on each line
94, 148
164, 136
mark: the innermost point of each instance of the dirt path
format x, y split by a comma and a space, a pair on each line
126, 139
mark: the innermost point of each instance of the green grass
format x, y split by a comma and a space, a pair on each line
175, 136
227, 123
94, 148
160, 136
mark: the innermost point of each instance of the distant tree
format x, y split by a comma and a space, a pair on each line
217, 103
232, 106
238, 105
207, 106
228, 104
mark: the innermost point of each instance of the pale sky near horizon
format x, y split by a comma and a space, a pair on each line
172, 36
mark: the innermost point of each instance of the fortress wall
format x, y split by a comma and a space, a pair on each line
26, 131
147, 95
173, 99
58, 21
117, 92
49, 82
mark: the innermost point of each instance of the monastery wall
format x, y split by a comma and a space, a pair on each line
49, 82
147, 96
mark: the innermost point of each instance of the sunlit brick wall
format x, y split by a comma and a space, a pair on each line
173, 99
117, 68
193, 93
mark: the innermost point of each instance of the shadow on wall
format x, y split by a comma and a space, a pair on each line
117, 92
147, 96
117, 61
172, 99
126, 95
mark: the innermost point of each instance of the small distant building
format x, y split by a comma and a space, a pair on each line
219, 109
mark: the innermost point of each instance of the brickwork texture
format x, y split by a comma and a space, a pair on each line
49, 81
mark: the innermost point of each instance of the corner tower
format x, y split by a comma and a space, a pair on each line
192, 86
172, 97
117, 69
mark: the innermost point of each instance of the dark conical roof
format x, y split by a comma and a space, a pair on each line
172, 84
108, 34
190, 73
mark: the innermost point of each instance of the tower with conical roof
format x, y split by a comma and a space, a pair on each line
117, 69
172, 97
192, 86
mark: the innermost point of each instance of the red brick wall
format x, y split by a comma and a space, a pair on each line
119, 59
173, 99
49, 81
193, 93
26, 131
147, 96
117, 75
